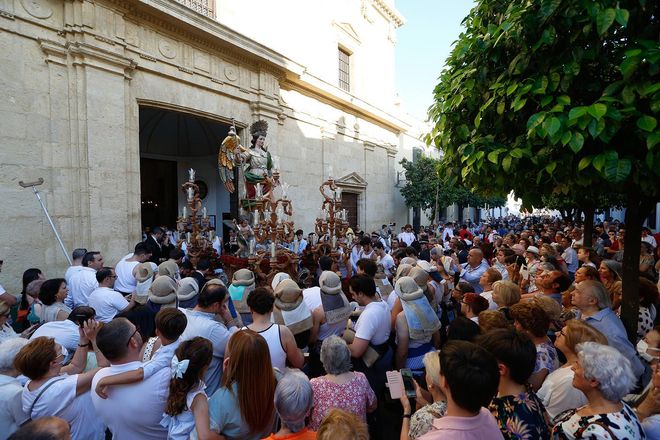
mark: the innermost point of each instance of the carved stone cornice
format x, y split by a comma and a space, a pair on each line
389, 11
88, 55
55, 52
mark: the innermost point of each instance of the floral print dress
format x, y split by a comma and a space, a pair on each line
621, 425
354, 396
422, 421
546, 357
521, 417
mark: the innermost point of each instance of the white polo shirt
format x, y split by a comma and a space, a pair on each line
107, 303
125, 281
133, 412
64, 332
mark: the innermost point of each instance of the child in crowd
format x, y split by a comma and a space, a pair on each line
187, 407
170, 324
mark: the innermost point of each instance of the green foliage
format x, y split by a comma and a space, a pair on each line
424, 183
552, 96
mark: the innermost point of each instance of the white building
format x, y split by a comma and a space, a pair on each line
110, 101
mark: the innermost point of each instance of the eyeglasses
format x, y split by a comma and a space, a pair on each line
131, 337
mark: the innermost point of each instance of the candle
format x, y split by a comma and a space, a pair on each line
256, 218
191, 174
211, 235
191, 193
185, 212
272, 249
338, 193
259, 194
295, 244
334, 242
204, 212
188, 237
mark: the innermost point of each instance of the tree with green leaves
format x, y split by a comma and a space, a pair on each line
557, 97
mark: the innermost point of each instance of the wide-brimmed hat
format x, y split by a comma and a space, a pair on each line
145, 271
533, 249
420, 276
243, 277
163, 290
188, 288
288, 295
330, 283
407, 289
278, 278
168, 268
409, 260
519, 249
426, 266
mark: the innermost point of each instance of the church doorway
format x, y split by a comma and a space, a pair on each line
171, 142
349, 202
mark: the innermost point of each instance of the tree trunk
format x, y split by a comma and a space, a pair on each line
635, 213
588, 226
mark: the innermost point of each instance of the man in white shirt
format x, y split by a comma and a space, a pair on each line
105, 300
126, 269
76, 264
84, 281
384, 259
202, 321
647, 237
131, 412
407, 236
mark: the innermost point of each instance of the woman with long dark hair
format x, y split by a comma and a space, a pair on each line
52, 296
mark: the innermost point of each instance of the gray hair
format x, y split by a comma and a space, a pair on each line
293, 399
431, 362
598, 291
335, 355
609, 367
9, 348
78, 253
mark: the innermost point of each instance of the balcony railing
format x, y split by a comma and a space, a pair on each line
204, 7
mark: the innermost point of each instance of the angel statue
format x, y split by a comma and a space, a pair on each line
254, 164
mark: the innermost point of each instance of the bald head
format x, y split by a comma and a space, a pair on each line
475, 255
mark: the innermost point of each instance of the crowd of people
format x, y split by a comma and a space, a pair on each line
509, 329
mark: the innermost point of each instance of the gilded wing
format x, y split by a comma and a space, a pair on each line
226, 160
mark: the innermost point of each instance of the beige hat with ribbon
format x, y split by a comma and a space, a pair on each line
163, 291
188, 288
243, 277
144, 272
278, 278
330, 283
420, 276
288, 295
168, 268
407, 289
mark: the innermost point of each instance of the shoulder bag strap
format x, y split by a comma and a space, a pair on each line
45, 387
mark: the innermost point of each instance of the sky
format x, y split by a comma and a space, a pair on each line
423, 45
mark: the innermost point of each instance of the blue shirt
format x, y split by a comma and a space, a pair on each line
472, 275
226, 418
611, 326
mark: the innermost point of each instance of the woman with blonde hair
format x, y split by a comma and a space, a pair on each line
243, 407
421, 421
339, 424
557, 392
505, 294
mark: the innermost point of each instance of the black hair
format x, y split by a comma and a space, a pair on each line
513, 349
171, 322
28, 276
410, 251
363, 284
176, 254
211, 294
378, 245
368, 265
261, 300
141, 249
365, 241
203, 264
325, 263
463, 329
81, 314
299, 232
103, 273
89, 257
49, 289
471, 373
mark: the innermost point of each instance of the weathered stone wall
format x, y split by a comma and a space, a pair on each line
74, 75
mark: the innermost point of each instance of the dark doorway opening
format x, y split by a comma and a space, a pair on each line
158, 180
350, 204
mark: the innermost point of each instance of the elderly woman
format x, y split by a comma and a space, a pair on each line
604, 375
416, 327
422, 420
51, 295
505, 294
11, 412
340, 388
557, 392
62, 391
609, 271
293, 400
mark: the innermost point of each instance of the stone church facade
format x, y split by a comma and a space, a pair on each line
79, 75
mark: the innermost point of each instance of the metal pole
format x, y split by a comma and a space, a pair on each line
33, 185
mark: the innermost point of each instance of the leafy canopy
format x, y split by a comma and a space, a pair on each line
552, 96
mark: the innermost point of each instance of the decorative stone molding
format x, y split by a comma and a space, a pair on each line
88, 55
37, 8
348, 30
55, 52
231, 73
166, 49
352, 181
389, 11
